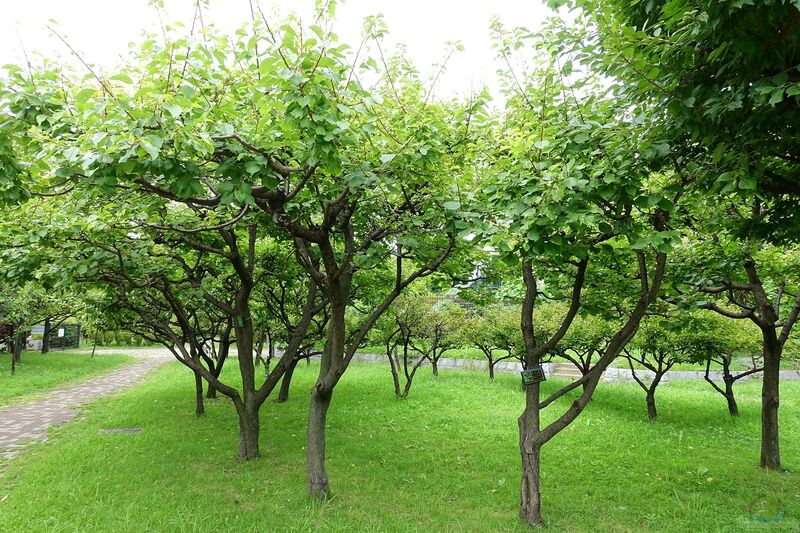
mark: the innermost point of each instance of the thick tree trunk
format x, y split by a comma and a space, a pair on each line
248, 430
530, 509
435, 365
283, 394
317, 476
198, 388
491, 370
770, 401
46, 336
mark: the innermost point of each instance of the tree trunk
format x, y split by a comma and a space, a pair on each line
435, 365
13, 360
46, 336
491, 370
222, 355
652, 414
283, 394
393, 364
733, 407
198, 387
770, 400
248, 430
16, 347
530, 509
315, 449
211, 390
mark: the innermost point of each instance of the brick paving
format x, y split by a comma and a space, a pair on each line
30, 421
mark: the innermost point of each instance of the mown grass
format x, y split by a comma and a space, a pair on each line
37, 372
445, 459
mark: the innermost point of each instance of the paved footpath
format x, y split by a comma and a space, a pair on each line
25, 422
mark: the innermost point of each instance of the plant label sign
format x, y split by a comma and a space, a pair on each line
532, 375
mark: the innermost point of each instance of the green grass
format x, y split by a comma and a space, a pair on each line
445, 459
37, 373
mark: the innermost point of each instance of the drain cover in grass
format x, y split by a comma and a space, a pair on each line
128, 431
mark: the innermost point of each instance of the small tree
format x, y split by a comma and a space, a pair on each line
495, 332
658, 346
440, 330
728, 342
398, 330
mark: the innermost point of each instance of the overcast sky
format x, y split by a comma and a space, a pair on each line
102, 29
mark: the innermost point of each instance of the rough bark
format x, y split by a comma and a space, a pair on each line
770, 401
317, 476
224, 349
198, 388
733, 407
46, 335
530, 507
248, 431
652, 413
435, 366
283, 393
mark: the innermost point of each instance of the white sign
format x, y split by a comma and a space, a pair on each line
60, 332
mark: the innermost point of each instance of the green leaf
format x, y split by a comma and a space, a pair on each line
83, 96
777, 96
251, 167
152, 145
386, 158
124, 78
173, 109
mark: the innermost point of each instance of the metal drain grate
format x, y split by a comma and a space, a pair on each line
127, 431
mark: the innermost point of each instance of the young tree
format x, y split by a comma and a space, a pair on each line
662, 342
439, 330
397, 329
574, 196
495, 332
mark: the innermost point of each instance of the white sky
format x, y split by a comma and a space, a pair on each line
102, 29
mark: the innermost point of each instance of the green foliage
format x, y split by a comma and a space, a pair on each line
723, 80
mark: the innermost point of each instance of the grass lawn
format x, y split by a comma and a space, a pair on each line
445, 459
38, 373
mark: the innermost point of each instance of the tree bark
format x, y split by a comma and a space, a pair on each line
46, 336
248, 430
317, 476
733, 407
770, 401
16, 347
435, 365
283, 394
652, 413
222, 355
530, 508
491, 370
198, 387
